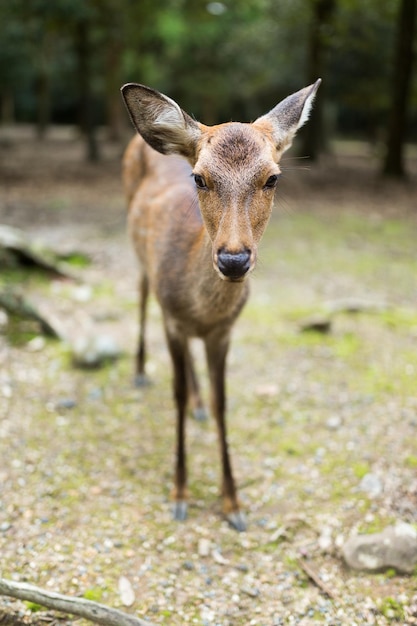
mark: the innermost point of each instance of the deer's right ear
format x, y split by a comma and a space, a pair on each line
160, 121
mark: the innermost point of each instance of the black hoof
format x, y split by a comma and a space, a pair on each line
141, 380
179, 511
237, 520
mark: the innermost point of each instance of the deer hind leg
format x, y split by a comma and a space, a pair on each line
141, 378
178, 351
216, 359
194, 394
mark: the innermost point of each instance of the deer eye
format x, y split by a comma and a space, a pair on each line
271, 181
199, 181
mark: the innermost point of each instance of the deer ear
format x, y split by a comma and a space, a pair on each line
288, 116
160, 121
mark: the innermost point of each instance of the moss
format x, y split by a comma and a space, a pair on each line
360, 469
34, 607
95, 594
392, 609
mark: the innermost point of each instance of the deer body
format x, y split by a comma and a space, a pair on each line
196, 240
173, 246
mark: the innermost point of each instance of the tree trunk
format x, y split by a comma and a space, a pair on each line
313, 134
43, 103
7, 112
86, 116
116, 114
401, 83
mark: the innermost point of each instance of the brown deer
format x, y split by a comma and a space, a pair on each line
199, 200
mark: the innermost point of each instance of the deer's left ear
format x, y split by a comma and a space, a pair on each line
288, 116
161, 122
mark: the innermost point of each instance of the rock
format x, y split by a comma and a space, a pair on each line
371, 485
316, 323
94, 350
395, 547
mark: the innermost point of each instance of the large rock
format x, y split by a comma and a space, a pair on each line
395, 547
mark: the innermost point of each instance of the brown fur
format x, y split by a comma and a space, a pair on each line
197, 246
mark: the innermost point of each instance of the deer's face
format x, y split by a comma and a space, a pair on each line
235, 173
235, 166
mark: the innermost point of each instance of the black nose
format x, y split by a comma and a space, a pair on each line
233, 265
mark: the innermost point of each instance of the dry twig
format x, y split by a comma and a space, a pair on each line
316, 579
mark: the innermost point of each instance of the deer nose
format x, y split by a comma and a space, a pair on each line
233, 265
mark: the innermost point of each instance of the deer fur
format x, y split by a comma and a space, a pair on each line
199, 200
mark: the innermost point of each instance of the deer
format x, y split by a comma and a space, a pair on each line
199, 200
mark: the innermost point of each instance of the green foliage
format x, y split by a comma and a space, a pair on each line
220, 60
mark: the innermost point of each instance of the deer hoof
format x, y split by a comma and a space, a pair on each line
141, 380
237, 520
179, 510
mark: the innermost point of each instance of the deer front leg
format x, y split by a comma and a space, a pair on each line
194, 393
178, 351
140, 378
216, 350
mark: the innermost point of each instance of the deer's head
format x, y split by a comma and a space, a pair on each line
235, 166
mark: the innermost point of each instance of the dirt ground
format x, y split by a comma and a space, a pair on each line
86, 459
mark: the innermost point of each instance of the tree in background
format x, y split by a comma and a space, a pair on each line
64, 61
400, 90
319, 36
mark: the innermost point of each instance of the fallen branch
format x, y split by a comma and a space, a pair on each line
315, 578
92, 611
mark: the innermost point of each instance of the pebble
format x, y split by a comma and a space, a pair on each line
325, 540
334, 422
94, 350
126, 592
204, 546
66, 403
371, 485
252, 592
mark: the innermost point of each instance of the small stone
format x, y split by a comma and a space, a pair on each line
334, 422
82, 293
252, 592
66, 403
5, 526
36, 344
204, 546
219, 558
267, 390
94, 350
371, 485
394, 548
126, 592
325, 540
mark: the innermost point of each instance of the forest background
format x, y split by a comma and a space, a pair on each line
63, 62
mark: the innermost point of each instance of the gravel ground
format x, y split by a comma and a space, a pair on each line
86, 459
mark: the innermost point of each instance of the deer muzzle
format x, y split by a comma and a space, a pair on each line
233, 265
